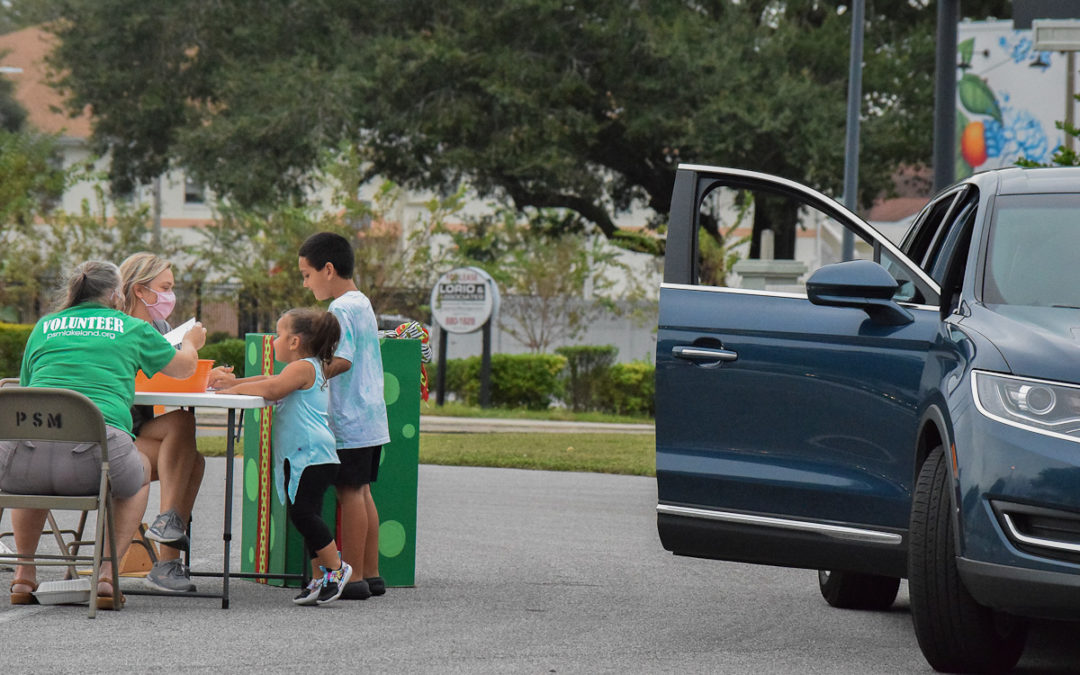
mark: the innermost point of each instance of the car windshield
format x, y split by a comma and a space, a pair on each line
1032, 257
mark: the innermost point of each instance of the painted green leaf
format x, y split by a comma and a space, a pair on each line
963, 169
977, 98
966, 50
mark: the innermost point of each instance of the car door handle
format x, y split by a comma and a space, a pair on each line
703, 354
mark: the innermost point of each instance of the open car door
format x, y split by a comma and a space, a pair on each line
786, 414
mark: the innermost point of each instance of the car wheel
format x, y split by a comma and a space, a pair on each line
852, 590
955, 633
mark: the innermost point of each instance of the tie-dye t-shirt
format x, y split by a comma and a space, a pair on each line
357, 406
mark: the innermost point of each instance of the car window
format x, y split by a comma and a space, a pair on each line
804, 239
907, 290
926, 228
960, 221
1031, 257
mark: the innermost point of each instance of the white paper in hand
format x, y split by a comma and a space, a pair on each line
176, 335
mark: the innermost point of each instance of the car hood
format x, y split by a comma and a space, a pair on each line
1042, 342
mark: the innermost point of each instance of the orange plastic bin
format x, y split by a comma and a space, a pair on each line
162, 382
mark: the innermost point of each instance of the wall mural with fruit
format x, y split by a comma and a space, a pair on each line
1008, 97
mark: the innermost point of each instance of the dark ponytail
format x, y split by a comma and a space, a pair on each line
319, 332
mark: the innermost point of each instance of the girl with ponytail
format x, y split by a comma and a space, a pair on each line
305, 457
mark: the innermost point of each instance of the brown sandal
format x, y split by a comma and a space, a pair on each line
23, 598
108, 601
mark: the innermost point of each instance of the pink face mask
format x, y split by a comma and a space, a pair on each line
161, 309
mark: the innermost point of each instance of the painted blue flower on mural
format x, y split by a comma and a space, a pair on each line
1023, 49
1018, 50
995, 137
1028, 135
1019, 134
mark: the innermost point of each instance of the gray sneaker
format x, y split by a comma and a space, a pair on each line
171, 576
168, 529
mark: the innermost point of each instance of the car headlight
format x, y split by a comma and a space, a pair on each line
1050, 408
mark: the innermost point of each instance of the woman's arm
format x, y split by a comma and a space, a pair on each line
186, 359
297, 375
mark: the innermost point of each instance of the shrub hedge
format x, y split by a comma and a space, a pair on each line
517, 380
535, 381
585, 375
226, 352
13, 337
631, 389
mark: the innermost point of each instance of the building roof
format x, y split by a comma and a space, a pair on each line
27, 49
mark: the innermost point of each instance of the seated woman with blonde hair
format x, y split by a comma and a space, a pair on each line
168, 440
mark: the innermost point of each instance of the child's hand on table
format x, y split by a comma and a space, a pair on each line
221, 377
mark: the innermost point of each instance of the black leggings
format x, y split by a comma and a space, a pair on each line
306, 510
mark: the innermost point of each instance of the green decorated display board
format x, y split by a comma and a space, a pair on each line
270, 544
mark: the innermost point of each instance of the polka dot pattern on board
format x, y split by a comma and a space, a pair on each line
251, 479
391, 538
391, 388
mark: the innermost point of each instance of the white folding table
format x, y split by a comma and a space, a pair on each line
231, 402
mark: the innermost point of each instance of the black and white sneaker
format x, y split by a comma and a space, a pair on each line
309, 595
334, 582
169, 529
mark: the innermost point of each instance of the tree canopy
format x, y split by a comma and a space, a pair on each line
541, 103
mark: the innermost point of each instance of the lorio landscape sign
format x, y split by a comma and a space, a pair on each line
463, 300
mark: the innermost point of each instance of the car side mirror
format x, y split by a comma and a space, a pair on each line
862, 284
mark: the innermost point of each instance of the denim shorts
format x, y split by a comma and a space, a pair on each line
65, 468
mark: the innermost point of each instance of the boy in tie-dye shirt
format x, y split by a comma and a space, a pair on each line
357, 407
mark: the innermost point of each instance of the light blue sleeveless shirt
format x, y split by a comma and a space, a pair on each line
302, 433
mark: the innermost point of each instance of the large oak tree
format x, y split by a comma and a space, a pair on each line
587, 106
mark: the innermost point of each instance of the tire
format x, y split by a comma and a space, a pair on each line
852, 590
955, 633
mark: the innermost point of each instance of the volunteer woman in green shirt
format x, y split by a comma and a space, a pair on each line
92, 347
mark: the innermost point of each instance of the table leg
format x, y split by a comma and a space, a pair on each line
230, 455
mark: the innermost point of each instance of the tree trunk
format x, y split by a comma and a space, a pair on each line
780, 215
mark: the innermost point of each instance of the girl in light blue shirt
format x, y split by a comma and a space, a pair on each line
305, 458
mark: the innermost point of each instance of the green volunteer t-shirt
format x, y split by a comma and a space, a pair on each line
95, 350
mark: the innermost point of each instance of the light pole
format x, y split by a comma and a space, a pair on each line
854, 105
1061, 35
944, 159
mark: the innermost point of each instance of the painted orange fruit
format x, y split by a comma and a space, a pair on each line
973, 144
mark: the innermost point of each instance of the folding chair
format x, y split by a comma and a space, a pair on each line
54, 529
40, 414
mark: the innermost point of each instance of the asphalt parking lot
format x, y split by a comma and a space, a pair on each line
517, 572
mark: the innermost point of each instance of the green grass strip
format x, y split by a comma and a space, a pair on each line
633, 454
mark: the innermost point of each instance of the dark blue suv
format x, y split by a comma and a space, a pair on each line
911, 413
